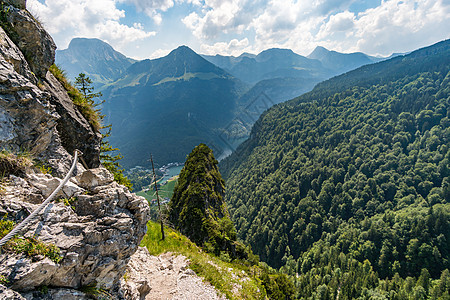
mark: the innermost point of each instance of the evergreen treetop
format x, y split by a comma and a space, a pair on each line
197, 207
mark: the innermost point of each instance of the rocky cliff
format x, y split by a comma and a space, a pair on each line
103, 226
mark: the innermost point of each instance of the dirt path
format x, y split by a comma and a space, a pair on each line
167, 276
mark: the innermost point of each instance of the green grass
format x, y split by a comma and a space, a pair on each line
188, 76
234, 279
91, 114
163, 191
19, 162
127, 81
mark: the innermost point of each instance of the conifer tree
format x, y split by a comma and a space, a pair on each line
84, 85
111, 162
197, 207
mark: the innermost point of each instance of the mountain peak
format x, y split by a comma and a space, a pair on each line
341, 62
93, 57
76, 43
183, 49
278, 50
190, 60
319, 51
275, 52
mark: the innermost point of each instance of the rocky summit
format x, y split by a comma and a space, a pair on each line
100, 228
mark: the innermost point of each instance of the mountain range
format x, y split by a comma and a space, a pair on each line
342, 62
168, 105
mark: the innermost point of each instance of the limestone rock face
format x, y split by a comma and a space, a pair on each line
16, 3
27, 117
75, 132
97, 233
28, 34
66, 294
97, 236
42, 120
12, 54
8, 294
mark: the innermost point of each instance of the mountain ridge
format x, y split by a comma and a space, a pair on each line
95, 58
341, 62
182, 94
351, 179
279, 74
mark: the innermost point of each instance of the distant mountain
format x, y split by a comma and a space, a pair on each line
270, 64
141, 95
341, 62
352, 180
279, 75
227, 62
168, 105
93, 57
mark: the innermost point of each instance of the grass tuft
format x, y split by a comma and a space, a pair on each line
95, 292
12, 164
31, 246
68, 201
91, 114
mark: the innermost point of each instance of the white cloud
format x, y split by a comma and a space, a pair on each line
301, 25
401, 25
344, 21
234, 47
152, 7
147, 5
86, 18
223, 17
230, 26
193, 2
405, 25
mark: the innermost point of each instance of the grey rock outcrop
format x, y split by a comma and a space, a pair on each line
12, 54
42, 120
27, 117
28, 34
16, 3
97, 236
50, 294
8, 294
74, 131
102, 229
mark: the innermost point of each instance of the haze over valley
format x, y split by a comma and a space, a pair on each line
172, 103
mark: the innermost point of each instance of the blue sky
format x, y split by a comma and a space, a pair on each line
151, 28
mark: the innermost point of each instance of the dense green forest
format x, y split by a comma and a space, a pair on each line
348, 186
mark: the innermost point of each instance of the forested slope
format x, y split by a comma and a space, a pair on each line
349, 184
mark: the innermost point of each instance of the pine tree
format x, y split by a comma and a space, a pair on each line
110, 161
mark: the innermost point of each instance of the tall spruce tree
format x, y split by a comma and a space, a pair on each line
197, 207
